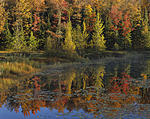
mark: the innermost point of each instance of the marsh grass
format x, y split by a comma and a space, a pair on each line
23, 63
64, 56
6, 83
18, 64
15, 68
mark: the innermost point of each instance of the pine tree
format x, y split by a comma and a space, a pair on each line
140, 34
79, 39
124, 41
69, 45
50, 43
33, 42
98, 41
85, 35
111, 35
19, 42
137, 37
8, 36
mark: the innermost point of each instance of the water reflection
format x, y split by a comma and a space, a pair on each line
107, 90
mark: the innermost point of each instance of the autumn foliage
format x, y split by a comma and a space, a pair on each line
49, 18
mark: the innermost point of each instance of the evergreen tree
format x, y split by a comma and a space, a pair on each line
8, 37
19, 42
69, 45
33, 42
111, 36
141, 34
79, 39
124, 41
85, 35
50, 43
98, 41
137, 37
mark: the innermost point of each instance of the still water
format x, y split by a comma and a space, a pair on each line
117, 88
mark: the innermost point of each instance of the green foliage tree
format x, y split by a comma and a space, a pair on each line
98, 41
69, 45
51, 43
111, 36
79, 38
33, 42
137, 38
140, 34
19, 43
8, 36
124, 42
85, 34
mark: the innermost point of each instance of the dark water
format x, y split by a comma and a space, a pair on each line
118, 88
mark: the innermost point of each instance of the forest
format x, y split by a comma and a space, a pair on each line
74, 26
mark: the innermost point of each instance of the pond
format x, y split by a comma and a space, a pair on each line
116, 88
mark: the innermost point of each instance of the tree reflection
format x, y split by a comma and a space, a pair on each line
93, 88
120, 84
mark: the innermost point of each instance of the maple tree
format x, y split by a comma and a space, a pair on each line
121, 23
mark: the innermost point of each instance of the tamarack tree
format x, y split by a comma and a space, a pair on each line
69, 45
98, 41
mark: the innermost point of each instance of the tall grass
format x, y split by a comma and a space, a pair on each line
15, 68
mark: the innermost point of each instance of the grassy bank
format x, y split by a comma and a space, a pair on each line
19, 64
54, 57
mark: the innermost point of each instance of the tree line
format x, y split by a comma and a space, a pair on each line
74, 25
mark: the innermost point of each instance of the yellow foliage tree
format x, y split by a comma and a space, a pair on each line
69, 45
22, 13
2, 16
88, 10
